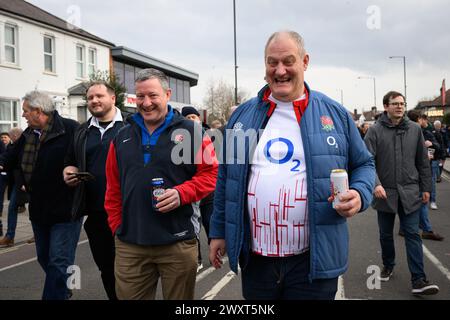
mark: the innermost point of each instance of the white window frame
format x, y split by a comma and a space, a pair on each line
50, 54
13, 122
14, 46
81, 62
91, 64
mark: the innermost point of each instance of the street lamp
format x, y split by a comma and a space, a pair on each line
235, 56
404, 70
342, 95
374, 89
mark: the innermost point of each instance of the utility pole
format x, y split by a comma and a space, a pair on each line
404, 70
235, 56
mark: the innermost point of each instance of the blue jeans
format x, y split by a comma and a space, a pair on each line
12, 215
3, 185
409, 223
55, 248
424, 222
274, 278
434, 177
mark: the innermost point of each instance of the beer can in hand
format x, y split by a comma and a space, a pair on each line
157, 190
339, 184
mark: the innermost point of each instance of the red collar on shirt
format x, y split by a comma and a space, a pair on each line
299, 106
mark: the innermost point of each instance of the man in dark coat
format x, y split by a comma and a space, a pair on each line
88, 152
39, 154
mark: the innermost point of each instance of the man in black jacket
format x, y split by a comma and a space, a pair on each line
88, 152
3, 184
430, 143
39, 154
435, 156
207, 203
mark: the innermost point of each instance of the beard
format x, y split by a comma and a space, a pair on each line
100, 113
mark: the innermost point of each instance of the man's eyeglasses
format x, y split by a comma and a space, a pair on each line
397, 104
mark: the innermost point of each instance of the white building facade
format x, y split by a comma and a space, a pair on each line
47, 55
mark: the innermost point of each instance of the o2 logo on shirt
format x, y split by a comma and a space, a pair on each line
288, 157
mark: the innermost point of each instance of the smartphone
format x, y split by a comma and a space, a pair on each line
84, 176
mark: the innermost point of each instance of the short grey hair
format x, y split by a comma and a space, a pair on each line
437, 123
150, 73
291, 34
38, 99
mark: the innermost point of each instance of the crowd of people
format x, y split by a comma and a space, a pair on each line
149, 181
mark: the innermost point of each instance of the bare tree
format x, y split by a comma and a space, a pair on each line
219, 99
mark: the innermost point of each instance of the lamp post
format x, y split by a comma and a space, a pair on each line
342, 96
235, 56
404, 70
374, 89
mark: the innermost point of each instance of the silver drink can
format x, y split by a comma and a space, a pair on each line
339, 184
157, 190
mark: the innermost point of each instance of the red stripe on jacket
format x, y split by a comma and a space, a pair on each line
113, 195
299, 105
204, 180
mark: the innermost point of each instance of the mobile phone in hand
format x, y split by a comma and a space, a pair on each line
84, 176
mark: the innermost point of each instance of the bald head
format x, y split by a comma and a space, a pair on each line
298, 40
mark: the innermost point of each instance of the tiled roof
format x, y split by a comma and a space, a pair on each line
27, 10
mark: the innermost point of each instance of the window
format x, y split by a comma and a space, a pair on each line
92, 61
180, 93
11, 43
187, 92
119, 71
8, 114
173, 86
129, 78
49, 54
80, 58
82, 114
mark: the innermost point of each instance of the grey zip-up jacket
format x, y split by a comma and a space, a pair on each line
401, 162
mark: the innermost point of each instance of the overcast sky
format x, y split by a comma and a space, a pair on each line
345, 40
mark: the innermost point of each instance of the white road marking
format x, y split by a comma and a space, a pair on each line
31, 260
436, 262
18, 264
211, 294
202, 275
8, 249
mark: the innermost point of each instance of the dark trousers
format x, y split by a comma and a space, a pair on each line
274, 278
206, 211
3, 184
409, 223
55, 248
102, 246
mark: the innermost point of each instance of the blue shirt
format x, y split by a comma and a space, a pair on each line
149, 140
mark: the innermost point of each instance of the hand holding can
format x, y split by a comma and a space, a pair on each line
431, 153
339, 184
157, 191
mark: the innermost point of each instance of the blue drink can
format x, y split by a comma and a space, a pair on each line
157, 190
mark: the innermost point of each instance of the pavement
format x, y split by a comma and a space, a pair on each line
24, 231
21, 277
